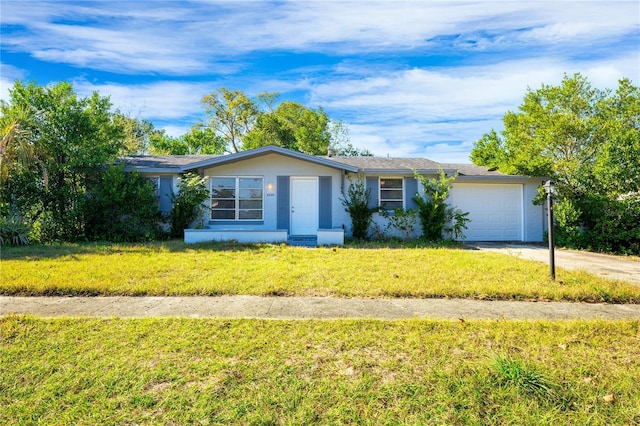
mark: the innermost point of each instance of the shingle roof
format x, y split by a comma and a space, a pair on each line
163, 161
472, 170
178, 163
372, 164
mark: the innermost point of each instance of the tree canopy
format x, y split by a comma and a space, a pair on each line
69, 139
588, 141
245, 124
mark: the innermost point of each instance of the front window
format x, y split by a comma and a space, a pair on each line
236, 198
391, 197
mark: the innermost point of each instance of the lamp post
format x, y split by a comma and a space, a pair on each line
549, 186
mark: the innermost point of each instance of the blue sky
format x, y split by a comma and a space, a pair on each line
410, 79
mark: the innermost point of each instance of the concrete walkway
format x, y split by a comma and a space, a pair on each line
308, 307
604, 265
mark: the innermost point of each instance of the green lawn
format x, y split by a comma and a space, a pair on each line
188, 371
173, 268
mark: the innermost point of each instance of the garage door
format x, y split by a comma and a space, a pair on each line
495, 210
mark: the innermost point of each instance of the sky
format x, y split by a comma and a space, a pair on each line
408, 78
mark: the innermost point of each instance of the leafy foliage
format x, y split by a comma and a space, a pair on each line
230, 114
70, 139
14, 229
588, 141
356, 203
456, 222
403, 221
187, 204
432, 207
197, 141
242, 123
122, 206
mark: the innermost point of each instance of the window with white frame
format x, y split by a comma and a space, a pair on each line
236, 198
391, 193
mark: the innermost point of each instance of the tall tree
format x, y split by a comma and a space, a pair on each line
199, 140
588, 141
244, 124
230, 114
617, 169
135, 133
555, 133
292, 126
72, 138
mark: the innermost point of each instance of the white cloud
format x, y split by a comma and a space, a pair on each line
440, 113
197, 37
163, 100
392, 105
9, 74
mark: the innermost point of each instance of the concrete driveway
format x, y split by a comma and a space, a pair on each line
604, 265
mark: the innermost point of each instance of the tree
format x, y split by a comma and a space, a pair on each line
244, 124
197, 141
72, 139
291, 126
341, 145
588, 141
135, 134
230, 114
617, 169
555, 133
121, 206
356, 203
187, 204
433, 211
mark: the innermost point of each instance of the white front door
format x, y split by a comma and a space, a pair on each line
304, 206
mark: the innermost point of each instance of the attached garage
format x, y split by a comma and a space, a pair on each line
496, 210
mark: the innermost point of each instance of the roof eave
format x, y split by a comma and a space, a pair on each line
511, 178
258, 152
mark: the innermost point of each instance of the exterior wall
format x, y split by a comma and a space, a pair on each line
379, 222
270, 167
534, 216
192, 236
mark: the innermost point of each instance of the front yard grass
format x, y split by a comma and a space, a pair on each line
217, 371
174, 268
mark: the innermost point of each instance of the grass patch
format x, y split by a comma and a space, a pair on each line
174, 268
216, 371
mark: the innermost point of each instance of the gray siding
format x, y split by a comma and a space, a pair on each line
283, 202
410, 189
165, 191
372, 183
325, 203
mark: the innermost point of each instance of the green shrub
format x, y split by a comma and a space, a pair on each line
404, 221
611, 225
356, 203
433, 210
567, 223
14, 229
187, 204
122, 206
456, 221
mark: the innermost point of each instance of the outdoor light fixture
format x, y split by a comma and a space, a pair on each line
549, 187
270, 188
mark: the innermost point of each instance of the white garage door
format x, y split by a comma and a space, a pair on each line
495, 210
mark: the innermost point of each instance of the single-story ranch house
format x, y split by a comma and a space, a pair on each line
272, 194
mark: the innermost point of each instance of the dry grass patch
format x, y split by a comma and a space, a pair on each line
173, 268
184, 371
